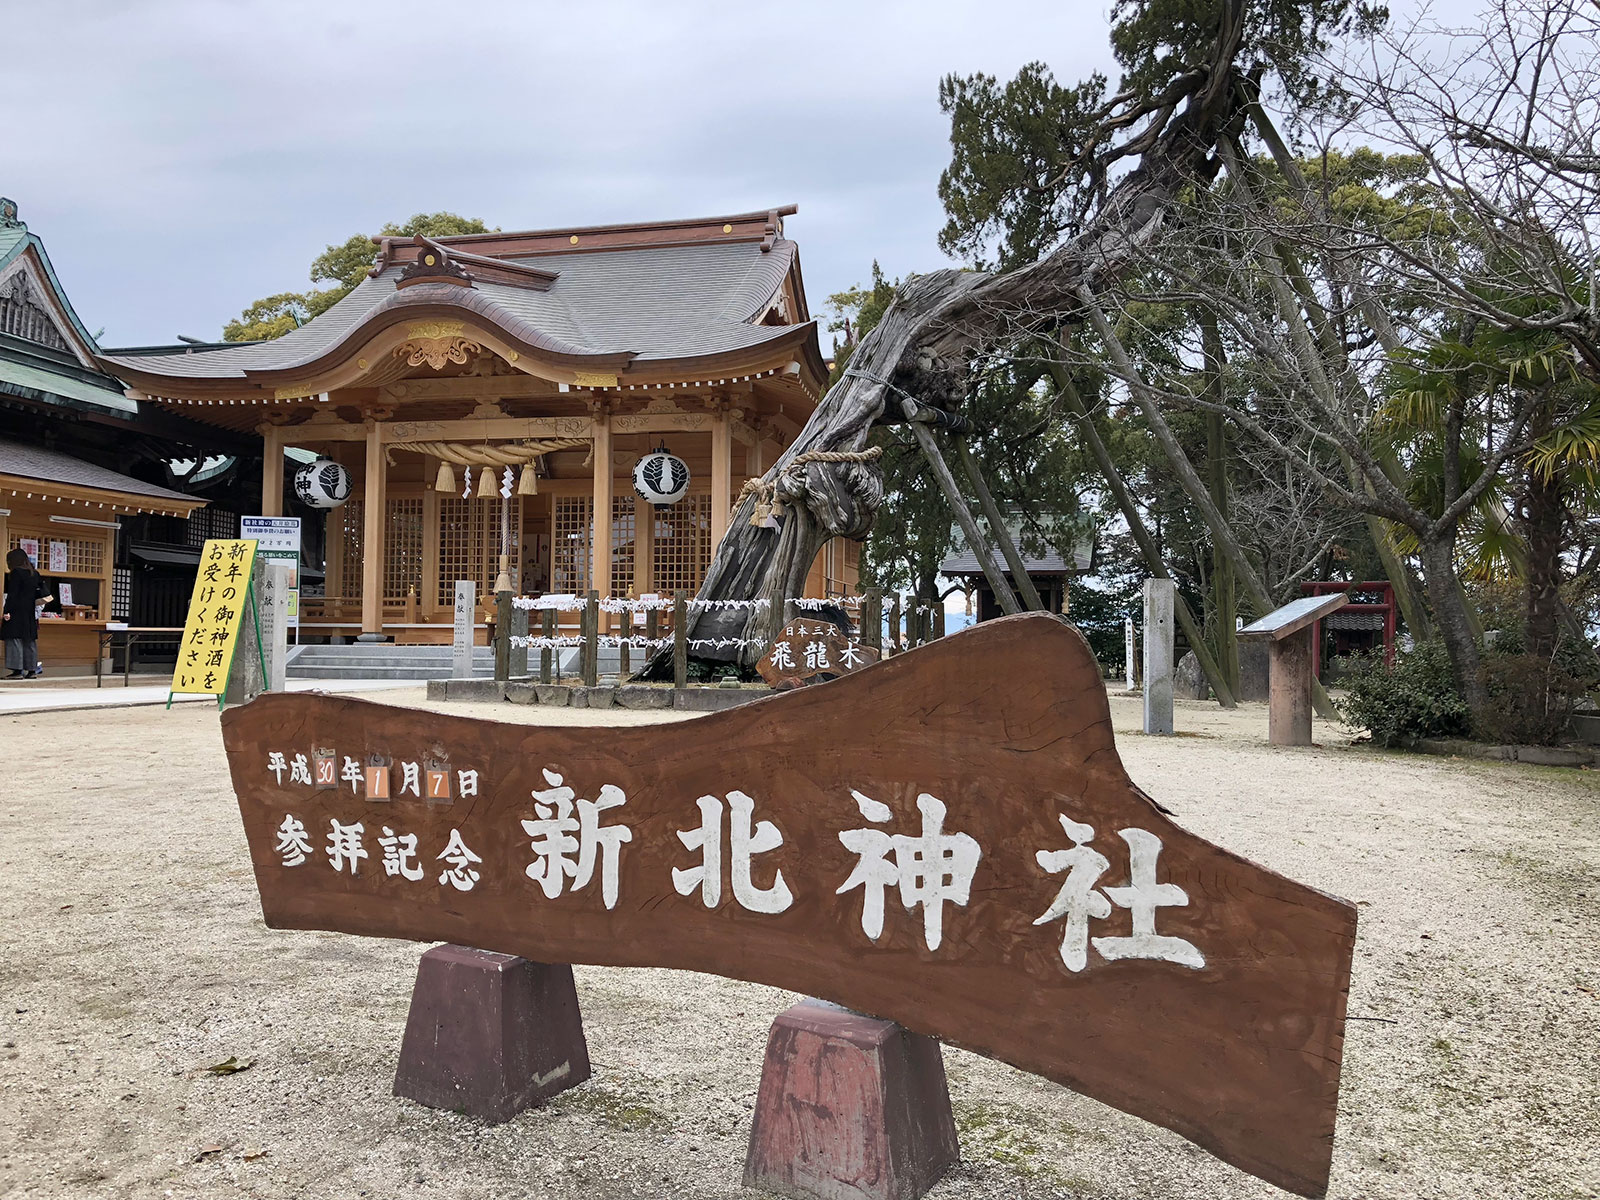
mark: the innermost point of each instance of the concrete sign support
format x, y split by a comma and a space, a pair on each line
466, 606
1159, 596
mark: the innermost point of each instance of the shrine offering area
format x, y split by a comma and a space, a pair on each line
136, 958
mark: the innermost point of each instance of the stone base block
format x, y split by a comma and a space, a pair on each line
850, 1108
490, 1034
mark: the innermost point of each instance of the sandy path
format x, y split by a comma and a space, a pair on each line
134, 955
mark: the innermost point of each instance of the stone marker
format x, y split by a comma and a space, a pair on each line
466, 609
1159, 597
274, 606
849, 1107
490, 1034
1130, 652
811, 648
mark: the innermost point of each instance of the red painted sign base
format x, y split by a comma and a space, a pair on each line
849, 1107
490, 1034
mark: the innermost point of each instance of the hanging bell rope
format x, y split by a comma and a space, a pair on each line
768, 507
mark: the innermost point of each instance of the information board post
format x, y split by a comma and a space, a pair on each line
466, 605
279, 538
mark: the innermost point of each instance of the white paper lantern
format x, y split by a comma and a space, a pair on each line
661, 478
322, 484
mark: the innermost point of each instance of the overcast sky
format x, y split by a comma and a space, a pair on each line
181, 159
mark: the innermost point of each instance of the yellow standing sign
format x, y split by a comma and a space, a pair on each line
217, 608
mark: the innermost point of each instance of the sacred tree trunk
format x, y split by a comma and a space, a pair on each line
1544, 514
921, 347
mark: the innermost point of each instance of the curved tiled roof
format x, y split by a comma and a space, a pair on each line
641, 303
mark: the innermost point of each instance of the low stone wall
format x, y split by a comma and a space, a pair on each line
1542, 756
606, 695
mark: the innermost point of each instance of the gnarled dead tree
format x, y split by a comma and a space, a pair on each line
939, 321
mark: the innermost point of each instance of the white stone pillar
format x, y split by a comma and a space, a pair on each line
274, 606
1159, 596
466, 610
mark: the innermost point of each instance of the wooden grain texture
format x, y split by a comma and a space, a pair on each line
1007, 724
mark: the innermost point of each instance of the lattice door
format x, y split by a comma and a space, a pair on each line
469, 544
682, 544
571, 521
402, 564
346, 540
622, 548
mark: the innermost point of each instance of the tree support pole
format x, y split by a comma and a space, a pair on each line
1002, 535
1191, 483
964, 518
1130, 514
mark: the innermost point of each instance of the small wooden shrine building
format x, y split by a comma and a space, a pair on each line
563, 356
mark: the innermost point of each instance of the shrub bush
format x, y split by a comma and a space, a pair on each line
1416, 698
1532, 699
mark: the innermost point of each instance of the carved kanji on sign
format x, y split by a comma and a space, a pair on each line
811, 649
947, 840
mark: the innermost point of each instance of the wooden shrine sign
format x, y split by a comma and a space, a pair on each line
812, 649
947, 839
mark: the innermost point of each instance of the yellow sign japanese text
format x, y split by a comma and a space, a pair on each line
216, 609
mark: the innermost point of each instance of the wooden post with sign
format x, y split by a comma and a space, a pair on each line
967, 831
502, 636
589, 631
680, 639
871, 620
1290, 677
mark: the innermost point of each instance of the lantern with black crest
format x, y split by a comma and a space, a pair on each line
661, 477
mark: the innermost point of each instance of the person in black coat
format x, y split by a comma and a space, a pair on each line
19, 625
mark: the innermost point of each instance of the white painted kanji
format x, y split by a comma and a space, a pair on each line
1077, 900
930, 869
782, 659
400, 854
1142, 898
344, 845
851, 657
742, 845
411, 779
459, 872
352, 773
276, 764
555, 846
293, 842
467, 783
817, 656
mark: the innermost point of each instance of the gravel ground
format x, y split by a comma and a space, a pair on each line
134, 956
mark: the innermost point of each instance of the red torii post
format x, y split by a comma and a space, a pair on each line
1386, 607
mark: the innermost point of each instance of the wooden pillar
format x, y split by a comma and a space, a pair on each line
1289, 695
721, 475
372, 547
271, 470
430, 538
644, 548
752, 459
600, 573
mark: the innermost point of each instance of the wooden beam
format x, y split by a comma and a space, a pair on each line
372, 534
600, 576
271, 470
721, 476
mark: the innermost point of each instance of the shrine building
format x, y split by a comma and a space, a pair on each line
489, 394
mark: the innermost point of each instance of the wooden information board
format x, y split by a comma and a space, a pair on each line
946, 839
